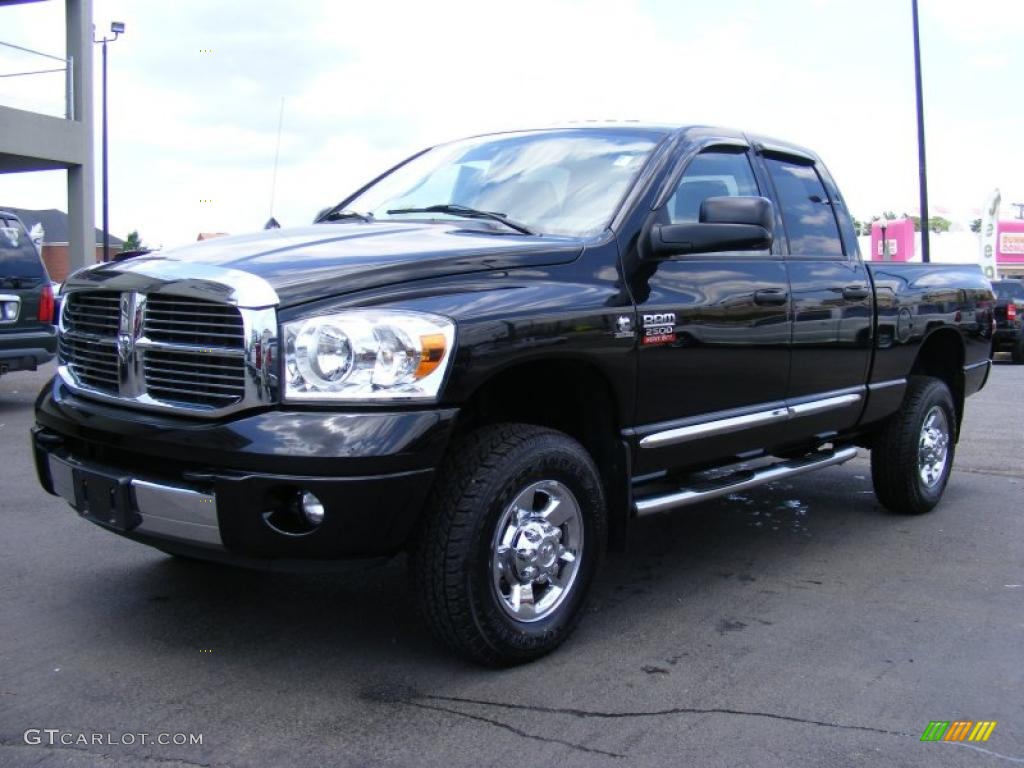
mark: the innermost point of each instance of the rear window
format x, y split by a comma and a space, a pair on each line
18, 256
1009, 290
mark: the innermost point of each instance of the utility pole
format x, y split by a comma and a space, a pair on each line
922, 166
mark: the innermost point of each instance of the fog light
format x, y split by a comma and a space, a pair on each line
312, 509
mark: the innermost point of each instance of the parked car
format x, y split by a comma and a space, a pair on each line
28, 337
496, 356
1009, 313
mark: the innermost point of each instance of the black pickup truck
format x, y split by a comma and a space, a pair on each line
498, 354
28, 337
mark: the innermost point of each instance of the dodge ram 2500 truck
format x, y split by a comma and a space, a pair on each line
498, 354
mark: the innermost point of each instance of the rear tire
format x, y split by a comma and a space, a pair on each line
510, 542
1017, 353
913, 455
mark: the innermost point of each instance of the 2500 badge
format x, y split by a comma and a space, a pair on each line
659, 328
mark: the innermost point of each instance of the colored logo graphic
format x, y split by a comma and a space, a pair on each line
958, 730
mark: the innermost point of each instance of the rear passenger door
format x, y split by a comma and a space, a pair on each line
713, 375
832, 298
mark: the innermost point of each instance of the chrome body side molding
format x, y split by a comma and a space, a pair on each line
878, 385
826, 402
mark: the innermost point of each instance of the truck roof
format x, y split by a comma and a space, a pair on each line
687, 132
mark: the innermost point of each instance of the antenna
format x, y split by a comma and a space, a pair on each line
277, 154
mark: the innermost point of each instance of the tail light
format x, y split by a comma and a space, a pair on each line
1011, 311
46, 305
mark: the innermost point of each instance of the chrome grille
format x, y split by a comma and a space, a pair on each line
194, 322
168, 351
196, 358
93, 313
197, 379
88, 342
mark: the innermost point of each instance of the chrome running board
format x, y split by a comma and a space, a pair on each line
741, 480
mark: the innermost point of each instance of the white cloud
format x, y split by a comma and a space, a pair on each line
368, 83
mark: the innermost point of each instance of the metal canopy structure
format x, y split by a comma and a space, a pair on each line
30, 141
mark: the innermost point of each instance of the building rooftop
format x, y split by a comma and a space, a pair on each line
55, 225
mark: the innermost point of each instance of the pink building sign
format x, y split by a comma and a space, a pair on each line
899, 236
1010, 240
901, 245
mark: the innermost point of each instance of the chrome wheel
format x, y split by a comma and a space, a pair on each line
933, 446
536, 551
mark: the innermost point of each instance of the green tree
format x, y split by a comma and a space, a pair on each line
936, 224
133, 242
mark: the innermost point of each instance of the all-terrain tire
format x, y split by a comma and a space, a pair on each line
905, 466
453, 559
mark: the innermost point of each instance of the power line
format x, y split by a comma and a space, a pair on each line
34, 72
30, 50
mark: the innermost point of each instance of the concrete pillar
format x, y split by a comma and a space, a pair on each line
81, 178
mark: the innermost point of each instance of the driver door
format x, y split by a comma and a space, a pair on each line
713, 377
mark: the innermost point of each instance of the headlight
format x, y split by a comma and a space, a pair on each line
367, 355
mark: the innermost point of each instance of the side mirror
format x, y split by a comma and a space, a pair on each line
726, 224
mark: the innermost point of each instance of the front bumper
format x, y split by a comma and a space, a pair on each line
205, 489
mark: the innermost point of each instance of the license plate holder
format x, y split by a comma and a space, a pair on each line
105, 499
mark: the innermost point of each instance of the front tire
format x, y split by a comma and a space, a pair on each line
913, 455
511, 540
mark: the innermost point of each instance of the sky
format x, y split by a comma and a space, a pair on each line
196, 89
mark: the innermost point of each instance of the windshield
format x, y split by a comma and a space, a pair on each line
1009, 290
562, 182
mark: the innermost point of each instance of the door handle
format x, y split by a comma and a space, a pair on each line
770, 297
856, 292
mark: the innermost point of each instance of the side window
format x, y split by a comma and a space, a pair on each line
806, 209
710, 174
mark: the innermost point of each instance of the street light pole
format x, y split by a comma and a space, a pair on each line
117, 27
922, 168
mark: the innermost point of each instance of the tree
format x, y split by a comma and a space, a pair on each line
936, 224
976, 225
133, 242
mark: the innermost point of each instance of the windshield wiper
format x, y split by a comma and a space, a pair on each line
340, 214
466, 212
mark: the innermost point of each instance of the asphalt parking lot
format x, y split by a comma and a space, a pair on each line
798, 624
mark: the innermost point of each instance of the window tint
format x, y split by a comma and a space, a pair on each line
1009, 290
806, 210
18, 256
710, 174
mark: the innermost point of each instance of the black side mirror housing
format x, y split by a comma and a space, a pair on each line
726, 224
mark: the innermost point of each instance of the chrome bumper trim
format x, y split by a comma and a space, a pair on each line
167, 511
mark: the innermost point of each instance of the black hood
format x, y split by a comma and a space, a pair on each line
322, 260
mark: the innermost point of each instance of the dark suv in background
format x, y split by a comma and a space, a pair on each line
28, 337
1009, 314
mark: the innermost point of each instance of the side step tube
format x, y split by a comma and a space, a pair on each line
741, 481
